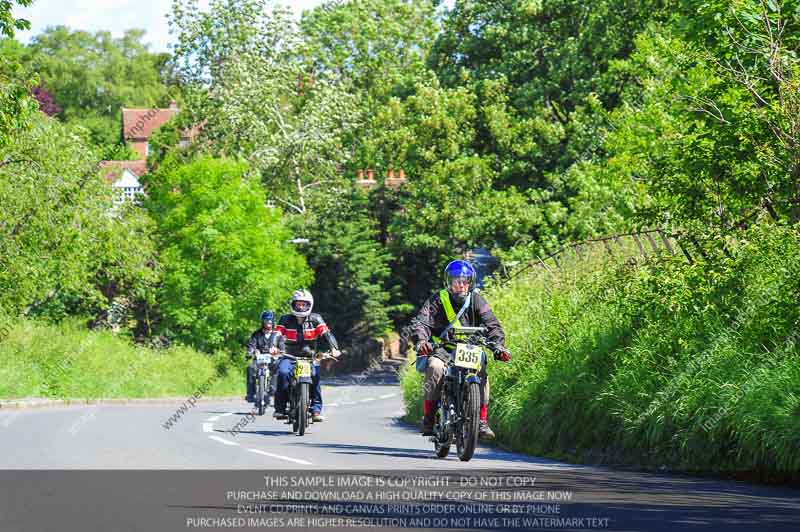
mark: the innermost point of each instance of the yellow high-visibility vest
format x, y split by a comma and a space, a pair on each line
444, 296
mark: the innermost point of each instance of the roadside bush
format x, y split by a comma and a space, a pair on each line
690, 366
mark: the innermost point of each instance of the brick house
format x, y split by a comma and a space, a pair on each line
137, 127
124, 178
139, 124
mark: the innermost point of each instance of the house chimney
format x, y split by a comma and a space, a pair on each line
367, 183
396, 182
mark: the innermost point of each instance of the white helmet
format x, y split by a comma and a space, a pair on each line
298, 309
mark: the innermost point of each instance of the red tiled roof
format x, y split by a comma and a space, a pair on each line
140, 123
114, 168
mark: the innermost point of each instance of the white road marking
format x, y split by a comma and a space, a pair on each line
346, 403
227, 414
213, 418
208, 427
223, 440
388, 395
332, 404
288, 459
367, 400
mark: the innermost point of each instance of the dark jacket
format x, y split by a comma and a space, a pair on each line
306, 335
431, 319
262, 342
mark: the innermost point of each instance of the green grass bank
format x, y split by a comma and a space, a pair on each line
692, 367
66, 361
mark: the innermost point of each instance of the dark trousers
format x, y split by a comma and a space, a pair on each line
285, 371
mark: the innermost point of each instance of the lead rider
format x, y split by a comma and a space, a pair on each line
435, 317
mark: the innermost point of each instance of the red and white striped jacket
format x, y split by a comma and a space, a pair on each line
298, 336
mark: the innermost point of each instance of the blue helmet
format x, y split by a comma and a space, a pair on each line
459, 269
267, 315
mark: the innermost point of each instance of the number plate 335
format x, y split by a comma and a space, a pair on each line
468, 356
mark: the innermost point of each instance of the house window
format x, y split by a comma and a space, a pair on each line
128, 194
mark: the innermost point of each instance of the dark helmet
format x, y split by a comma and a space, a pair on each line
459, 270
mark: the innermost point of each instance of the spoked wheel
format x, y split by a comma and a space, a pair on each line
467, 436
301, 422
442, 449
261, 395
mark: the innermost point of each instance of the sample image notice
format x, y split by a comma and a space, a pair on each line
400, 500
545, 499
462, 501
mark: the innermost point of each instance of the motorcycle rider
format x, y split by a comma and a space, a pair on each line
302, 330
435, 318
266, 340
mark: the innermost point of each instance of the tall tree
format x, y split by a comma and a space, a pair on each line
92, 76
225, 255
555, 57
379, 45
242, 64
60, 241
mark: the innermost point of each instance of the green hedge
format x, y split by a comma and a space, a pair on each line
67, 361
692, 367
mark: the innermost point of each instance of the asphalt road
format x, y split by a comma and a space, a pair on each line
219, 445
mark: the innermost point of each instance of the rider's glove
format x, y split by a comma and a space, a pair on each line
503, 356
335, 353
424, 349
249, 354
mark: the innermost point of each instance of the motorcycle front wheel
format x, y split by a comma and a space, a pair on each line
467, 437
301, 413
261, 395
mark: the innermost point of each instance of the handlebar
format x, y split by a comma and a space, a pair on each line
326, 355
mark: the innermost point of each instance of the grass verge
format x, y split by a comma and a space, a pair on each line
67, 361
692, 367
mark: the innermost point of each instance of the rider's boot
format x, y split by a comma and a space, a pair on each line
485, 432
316, 417
429, 409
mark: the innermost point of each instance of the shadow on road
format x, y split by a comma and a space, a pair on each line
284, 432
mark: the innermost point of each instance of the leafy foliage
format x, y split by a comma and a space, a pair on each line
379, 46
92, 76
8, 24
689, 366
243, 75
224, 253
59, 237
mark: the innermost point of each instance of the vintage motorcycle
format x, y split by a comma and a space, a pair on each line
264, 364
300, 413
458, 412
